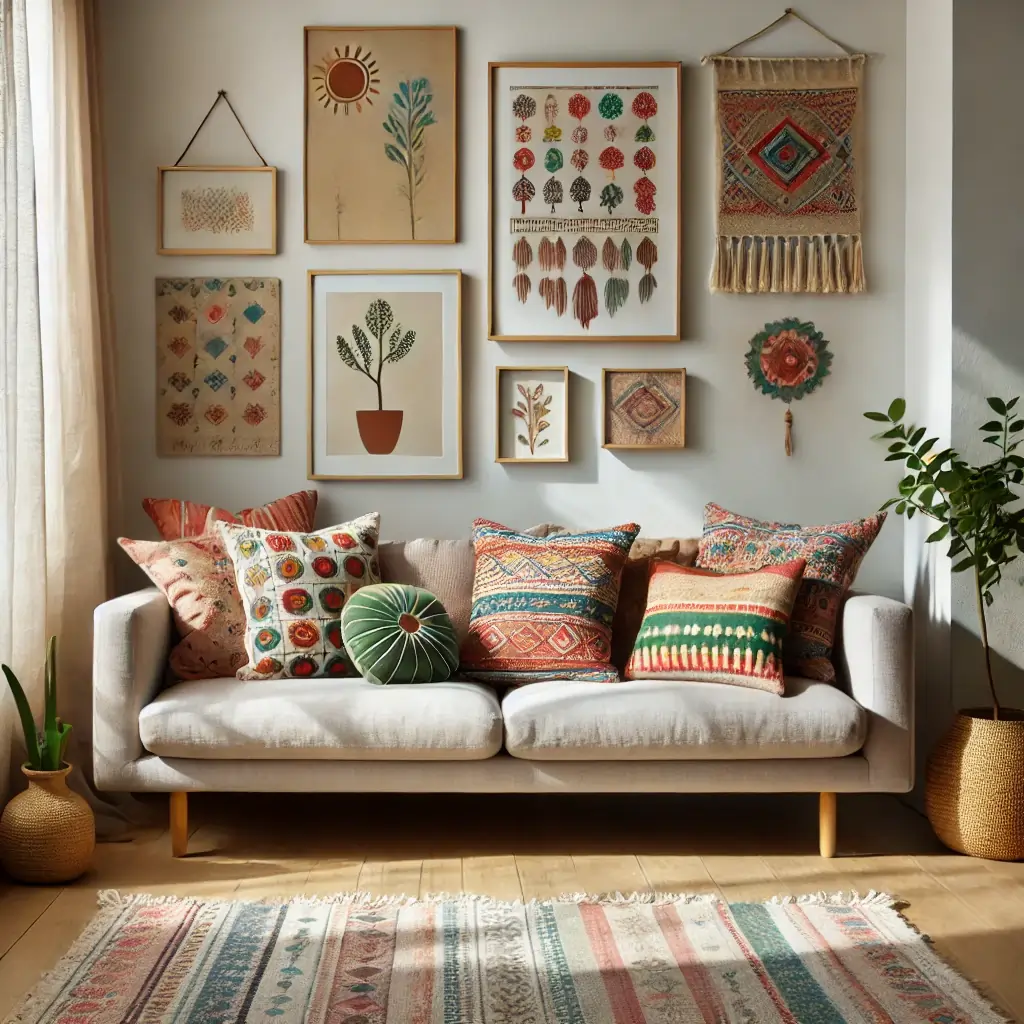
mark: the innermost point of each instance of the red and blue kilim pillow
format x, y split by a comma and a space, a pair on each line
543, 606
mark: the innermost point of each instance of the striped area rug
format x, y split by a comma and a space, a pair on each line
471, 960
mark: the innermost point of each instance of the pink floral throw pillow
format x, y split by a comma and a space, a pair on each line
735, 543
196, 576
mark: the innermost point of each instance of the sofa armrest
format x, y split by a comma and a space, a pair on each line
131, 639
877, 660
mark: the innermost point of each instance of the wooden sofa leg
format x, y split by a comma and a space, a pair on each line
827, 824
179, 824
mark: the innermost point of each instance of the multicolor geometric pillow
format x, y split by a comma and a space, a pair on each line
714, 628
293, 588
833, 554
543, 607
175, 517
399, 634
196, 576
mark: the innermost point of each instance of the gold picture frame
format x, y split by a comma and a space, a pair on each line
319, 91
448, 465
675, 421
506, 437
193, 216
555, 321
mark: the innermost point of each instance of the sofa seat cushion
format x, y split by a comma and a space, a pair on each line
323, 719
652, 720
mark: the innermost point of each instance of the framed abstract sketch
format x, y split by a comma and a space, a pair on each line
643, 409
585, 212
380, 161
385, 390
218, 365
532, 414
216, 211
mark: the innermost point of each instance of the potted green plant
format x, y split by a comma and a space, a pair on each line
380, 428
47, 832
974, 789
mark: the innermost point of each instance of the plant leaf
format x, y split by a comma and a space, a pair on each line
997, 405
940, 534
878, 417
28, 724
363, 344
896, 409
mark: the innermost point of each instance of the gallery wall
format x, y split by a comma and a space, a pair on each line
163, 64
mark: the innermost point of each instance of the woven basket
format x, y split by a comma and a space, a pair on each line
47, 833
974, 793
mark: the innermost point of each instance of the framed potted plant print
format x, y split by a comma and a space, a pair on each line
643, 410
216, 211
380, 163
385, 389
585, 202
531, 410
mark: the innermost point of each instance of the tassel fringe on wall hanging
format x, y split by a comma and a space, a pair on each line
789, 172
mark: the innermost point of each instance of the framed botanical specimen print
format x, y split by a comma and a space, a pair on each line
585, 211
385, 391
532, 414
216, 211
643, 409
380, 162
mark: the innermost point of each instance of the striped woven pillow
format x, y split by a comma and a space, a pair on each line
704, 626
177, 517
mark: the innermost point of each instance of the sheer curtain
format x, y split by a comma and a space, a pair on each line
57, 437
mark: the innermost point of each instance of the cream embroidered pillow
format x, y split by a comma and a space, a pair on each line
293, 588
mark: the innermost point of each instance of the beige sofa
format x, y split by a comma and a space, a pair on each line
326, 735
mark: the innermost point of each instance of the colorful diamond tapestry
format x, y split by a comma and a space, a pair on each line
218, 345
789, 196
644, 408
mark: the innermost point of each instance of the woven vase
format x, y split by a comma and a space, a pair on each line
974, 794
47, 833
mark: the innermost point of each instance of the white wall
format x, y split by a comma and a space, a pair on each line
165, 61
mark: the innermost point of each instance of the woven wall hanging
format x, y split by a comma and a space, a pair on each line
787, 360
789, 171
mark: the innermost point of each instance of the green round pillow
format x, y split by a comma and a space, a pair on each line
399, 634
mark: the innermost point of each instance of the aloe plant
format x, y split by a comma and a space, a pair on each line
408, 117
45, 747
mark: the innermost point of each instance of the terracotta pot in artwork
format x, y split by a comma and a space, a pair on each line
379, 429
47, 833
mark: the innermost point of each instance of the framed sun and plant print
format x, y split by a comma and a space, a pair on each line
643, 410
216, 211
531, 408
385, 388
585, 223
380, 162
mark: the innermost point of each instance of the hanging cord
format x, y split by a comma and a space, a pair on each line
788, 13
221, 95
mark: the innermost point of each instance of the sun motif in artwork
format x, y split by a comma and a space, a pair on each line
347, 78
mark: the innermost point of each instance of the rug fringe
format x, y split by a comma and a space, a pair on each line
112, 898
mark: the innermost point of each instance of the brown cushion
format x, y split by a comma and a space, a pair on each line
686, 547
629, 613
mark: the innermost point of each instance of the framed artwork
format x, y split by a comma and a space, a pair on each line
381, 134
585, 230
532, 414
218, 365
385, 367
216, 211
643, 409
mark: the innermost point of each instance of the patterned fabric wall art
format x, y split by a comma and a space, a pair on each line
585, 202
218, 344
715, 628
543, 607
787, 360
789, 174
644, 408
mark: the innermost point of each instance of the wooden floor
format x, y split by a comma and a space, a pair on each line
745, 848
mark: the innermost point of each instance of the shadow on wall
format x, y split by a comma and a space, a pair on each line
968, 671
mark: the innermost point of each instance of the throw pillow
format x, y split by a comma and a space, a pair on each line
293, 588
709, 627
543, 607
686, 548
833, 554
633, 601
196, 576
175, 517
399, 634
